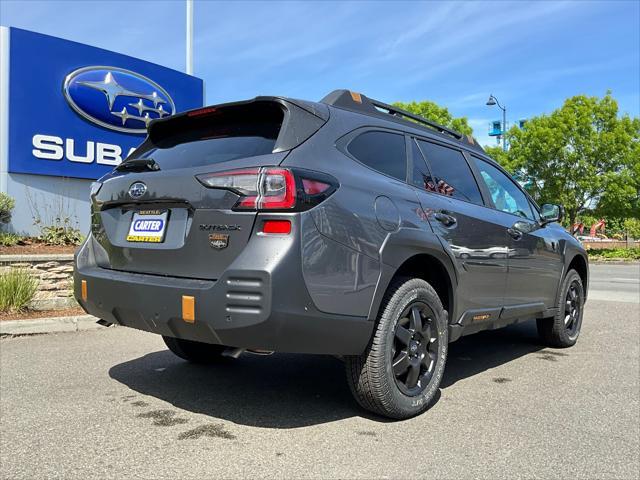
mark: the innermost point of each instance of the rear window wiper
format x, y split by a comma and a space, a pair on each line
138, 165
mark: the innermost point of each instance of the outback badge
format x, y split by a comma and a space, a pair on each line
218, 240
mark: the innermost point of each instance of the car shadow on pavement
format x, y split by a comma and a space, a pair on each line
482, 351
291, 391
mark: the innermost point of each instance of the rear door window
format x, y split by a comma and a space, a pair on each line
381, 151
450, 173
420, 176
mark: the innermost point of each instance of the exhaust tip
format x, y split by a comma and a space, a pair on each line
232, 352
261, 352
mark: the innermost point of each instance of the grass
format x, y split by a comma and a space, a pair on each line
17, 289
9, 239
615, 253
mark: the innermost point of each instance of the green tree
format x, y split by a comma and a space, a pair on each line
436, 113
503, 158
583, 155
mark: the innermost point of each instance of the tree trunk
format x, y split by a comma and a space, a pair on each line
572, 214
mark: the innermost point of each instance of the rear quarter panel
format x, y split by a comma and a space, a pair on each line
344, 235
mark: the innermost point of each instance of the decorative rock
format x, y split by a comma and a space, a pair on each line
47, 286
46, 265
62, 269
53, 303
53, 276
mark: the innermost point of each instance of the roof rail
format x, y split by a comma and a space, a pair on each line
360, 103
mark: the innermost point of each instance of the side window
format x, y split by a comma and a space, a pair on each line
506, 195
382, 151
421, 176
451, 173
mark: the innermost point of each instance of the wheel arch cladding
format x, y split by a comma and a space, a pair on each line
426, 260
580, 265
432, 270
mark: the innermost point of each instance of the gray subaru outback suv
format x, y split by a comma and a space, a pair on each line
344, 227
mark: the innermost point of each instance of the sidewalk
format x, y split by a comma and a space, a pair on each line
49, 325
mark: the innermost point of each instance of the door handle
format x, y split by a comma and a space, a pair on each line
444, 218
515, 234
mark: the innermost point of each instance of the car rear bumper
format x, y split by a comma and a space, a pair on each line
265, 308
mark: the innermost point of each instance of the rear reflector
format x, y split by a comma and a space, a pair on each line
188, 309
277, 226
84, 290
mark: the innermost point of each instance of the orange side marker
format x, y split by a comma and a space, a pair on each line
188, 309
356, 97
84, 290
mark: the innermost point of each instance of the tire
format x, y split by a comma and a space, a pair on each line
374, 382
563, 329
194, 352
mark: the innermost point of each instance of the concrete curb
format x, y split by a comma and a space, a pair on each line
49, 325
43, 257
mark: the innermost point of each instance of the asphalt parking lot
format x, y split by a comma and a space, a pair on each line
115, 403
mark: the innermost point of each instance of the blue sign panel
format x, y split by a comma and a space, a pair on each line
78, 111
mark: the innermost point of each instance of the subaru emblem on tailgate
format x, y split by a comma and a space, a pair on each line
116, 98
218, 240
137, 190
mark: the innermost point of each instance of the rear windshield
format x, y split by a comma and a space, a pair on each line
223, 134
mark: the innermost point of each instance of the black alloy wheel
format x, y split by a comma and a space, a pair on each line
415, 349
573, 308
399, 373
562, 329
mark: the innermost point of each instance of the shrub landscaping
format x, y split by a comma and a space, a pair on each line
614, 254
17, 288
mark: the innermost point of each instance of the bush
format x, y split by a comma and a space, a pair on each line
17, 289
632, 227
61, 235
614, 253
9, 239
6, 207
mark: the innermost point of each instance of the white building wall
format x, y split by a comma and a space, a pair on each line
52, 200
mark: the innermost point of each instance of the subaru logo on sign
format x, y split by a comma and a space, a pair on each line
116, 98
137, 190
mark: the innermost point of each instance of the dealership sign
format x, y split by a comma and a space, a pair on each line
77, 111
97, 93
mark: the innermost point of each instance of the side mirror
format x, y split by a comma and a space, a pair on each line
550, 212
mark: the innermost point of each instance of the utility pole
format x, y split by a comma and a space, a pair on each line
189, 37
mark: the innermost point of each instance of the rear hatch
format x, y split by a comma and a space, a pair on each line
153, 215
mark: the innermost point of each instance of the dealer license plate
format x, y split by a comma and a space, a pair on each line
148, 226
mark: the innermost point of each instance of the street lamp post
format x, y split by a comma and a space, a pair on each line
189, 59
494, 101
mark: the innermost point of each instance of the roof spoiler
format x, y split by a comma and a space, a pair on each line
299, 122
360, 103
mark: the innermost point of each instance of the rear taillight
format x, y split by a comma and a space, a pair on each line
272, 188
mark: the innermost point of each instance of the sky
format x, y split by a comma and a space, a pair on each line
530, 55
